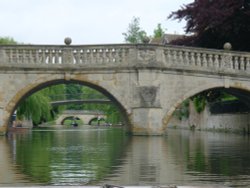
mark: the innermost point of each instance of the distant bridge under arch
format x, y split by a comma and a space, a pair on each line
84, 115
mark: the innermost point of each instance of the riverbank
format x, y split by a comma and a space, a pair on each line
205, 121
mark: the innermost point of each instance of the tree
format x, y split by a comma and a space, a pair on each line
7, 40
158, 32
211, 23
36, 107
73, 91
134, 33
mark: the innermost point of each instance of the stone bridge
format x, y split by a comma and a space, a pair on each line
85, 116
147, 82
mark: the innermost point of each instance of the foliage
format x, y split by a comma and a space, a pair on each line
158, 32
55, 90
199, 103
35, 107
212, 23
183, 110
73, 91
7, 40
134, 32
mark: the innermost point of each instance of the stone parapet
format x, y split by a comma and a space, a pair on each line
124, 56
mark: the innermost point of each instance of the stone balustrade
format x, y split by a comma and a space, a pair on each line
22, 54
176, 57
216, 60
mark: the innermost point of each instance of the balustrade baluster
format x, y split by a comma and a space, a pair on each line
174, 57
123, 55
56, 57
106, 55
36, 60
179, 57
77, 56
17, 56
81, 56
216, 61
84, 56
204, 60
236, 63
20, 56
98, 56
21, 53
25, 56
192, 59
50, 57
43, 57
113, 55
11, 56
117, 55
198, 59
186, 58
31, 56
167, 56
242, 65
89, 57
210, 60
248, 63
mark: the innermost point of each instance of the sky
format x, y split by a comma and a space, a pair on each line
84, 21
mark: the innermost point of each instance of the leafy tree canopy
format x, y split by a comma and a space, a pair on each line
212, 23
7, 40
134, 32
159, 31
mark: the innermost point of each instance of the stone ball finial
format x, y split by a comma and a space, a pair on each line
227, 46
67, 41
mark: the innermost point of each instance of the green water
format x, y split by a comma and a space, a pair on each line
96, 156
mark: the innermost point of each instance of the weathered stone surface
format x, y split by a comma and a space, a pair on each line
148, 96
147, 82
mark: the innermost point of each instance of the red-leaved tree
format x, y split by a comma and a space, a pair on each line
211, 23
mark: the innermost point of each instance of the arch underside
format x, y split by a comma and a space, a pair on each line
240, 91
54, 80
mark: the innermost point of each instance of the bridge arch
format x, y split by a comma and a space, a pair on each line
95, 119
244, 89
69, 118
44, 82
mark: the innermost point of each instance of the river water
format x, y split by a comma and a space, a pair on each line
96, 156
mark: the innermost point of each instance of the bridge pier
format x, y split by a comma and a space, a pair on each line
3, 126
147, 121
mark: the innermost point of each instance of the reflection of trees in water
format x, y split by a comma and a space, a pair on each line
70, 156
10, 174
212, 153
97, 156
